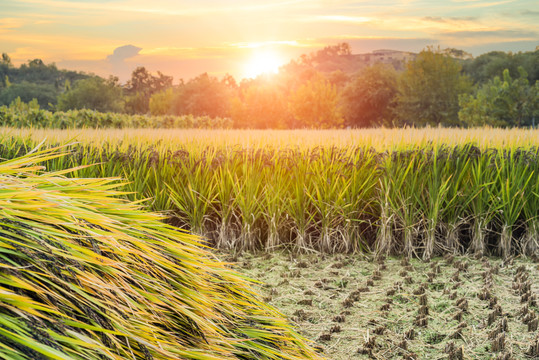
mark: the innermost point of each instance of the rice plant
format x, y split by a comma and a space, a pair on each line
415, 192
454, 214
514, 173
529, 243
87, 275
400, 187
484, 203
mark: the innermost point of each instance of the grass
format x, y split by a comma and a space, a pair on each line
330, 299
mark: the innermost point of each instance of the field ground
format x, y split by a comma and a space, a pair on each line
360, 309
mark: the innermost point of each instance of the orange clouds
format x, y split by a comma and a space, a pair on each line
184, 38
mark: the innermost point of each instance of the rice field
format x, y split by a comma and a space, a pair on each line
450, 308
413, 192
379, 139
374, 244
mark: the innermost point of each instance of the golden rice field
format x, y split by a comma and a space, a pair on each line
417, 192
373, 223
380, 139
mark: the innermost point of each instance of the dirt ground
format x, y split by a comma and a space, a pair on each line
449, 308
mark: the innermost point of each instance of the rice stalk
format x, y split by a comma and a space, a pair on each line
514, 175
410, 195
87, 275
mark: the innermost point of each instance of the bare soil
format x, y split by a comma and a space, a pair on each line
449, 308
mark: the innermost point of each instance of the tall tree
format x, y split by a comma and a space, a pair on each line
45, 94
35, 80
502, 102
140, 88
6, 60
5, 65
326, 54
429, 90
205, 95
486, 66
369, 99
315, 104
94, 93
161, 103
260, 105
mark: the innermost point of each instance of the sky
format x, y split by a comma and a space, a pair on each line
186, 38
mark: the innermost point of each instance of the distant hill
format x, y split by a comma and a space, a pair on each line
351, 63
335, 58
340, 58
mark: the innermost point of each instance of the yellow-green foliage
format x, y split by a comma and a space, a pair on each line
315, 104
86, 275
418, 192
19, 114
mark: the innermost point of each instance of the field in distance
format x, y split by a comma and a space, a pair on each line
379, 139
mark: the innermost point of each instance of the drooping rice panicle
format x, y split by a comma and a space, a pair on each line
85, 274
421, 192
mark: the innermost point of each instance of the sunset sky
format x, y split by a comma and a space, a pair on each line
186, 38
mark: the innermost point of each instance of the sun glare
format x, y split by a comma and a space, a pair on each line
266, 62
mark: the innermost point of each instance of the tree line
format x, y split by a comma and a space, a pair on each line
439, 87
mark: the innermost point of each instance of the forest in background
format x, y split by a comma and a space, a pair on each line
440, 87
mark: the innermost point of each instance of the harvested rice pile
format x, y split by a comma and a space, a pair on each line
85, 275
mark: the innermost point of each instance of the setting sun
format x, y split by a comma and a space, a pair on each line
266, 62
366, 170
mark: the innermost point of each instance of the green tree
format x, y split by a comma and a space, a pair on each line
94, 93
339, 79
429, 90
502, 102
486, 66
326, 54
457, 53
260, 105
315, 104
161, 103
369, 99
5, 67
530, 62
205, 96
140, 88
45, 94
35, 72
5, 59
